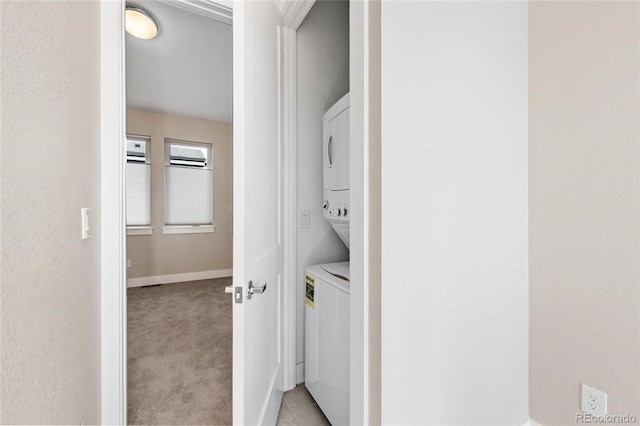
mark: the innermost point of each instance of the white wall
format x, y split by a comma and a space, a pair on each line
322, 79
50, 168
454, 213
584, 171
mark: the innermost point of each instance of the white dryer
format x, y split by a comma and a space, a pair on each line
335, 163
327, 339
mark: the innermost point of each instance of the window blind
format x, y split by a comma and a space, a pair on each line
138, 196
188, 196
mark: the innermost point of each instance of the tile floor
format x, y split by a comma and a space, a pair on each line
299, 408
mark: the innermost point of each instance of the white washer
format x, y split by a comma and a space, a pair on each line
327, 339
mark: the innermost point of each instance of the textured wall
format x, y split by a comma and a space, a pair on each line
323, 78
584, 185
454, 213
160, 254
50, 168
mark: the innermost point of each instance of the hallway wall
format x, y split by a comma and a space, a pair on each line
160, 254
49, 169
584, 206
323, 78
454, 213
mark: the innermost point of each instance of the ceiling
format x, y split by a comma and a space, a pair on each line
186, 69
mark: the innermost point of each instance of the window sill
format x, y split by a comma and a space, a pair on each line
188, 229
139, 230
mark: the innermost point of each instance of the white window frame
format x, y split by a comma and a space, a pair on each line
186, 228
142, 229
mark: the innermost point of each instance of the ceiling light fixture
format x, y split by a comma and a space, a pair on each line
139, 23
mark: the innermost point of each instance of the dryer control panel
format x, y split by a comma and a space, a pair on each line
337, 211
335, 207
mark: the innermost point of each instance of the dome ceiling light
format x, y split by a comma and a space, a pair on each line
139, 23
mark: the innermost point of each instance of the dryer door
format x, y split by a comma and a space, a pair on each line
336, 152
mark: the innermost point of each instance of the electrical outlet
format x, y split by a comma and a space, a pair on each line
594, 401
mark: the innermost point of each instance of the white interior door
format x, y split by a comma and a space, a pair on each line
258, 224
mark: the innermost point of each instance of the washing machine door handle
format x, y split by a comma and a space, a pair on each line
251, 289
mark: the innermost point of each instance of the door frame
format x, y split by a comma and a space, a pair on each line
113, 301
365, 109
112, 210
293, 13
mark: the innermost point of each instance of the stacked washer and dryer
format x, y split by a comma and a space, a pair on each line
327, 285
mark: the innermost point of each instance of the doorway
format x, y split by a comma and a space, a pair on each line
113, 255
179, 242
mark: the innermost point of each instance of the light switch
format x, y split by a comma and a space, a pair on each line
85, 223
303, 219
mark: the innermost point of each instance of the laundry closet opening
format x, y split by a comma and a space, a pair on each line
323, 207
179, 194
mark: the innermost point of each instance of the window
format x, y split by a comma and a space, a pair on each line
138, 185
188, 183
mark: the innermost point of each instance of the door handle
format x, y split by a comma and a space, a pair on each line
253, 289
330, 151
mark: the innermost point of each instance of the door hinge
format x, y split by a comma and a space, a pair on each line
237, 295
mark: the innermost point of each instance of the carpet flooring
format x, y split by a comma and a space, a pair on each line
179, 343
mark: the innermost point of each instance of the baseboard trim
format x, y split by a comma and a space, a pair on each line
299, 373
178, 278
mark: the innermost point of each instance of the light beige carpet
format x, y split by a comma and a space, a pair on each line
179, 354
